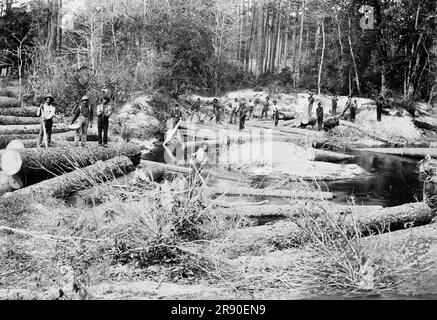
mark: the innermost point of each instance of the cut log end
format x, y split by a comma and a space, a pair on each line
11, 162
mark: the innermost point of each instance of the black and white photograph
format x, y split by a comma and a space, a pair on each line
218, 150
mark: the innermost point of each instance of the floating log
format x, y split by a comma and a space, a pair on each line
18, 121
333, 157
6, 102
19, 112
64, 186
287, 129
287, 233
241, 191
30, 129
414, 153
39, 164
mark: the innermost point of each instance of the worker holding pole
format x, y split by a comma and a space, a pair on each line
104, 111
46, 112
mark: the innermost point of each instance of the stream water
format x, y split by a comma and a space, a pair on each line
392, 181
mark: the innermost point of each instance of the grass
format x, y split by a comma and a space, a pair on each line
169, 232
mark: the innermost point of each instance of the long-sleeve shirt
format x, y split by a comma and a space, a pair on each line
47, 112
105, 110
86, 112
320, 112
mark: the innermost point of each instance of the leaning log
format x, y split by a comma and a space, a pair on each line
65, 185
6, 102
241, 191
18, 121
40, 164
359, 129
31, 129
294, 232
425, 125
19, 112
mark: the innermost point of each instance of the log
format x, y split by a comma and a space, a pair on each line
15, 145
4, 183
90, 138
333, 157
241, 191
64, 186
18, 121
288, 234
31, 129
287, 129
15, 182
6, 102
19, 112
425, 125
39, 164
371, 135
6, 139
414, 153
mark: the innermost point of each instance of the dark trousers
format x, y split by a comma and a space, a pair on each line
264, 112
352, 115
102, 128
379, 115
48, 127
320, 123
242, 122
334, 110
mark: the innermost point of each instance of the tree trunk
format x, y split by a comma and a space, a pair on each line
299, 55
6, 102
260, 37
30, 129
54, 18
8, 120
19, 112
357, 77
65, 185
319, 82
6, 139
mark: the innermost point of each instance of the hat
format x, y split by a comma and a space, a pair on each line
85, 98
49, 96
106, 97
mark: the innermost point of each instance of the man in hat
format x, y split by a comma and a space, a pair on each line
104, 111
85, 114
234, 111
176, 115
275, 113
266, 107
46, 112
216, 110
196, 105
334, 105
320, 114
242, 113
311, 101
348, 105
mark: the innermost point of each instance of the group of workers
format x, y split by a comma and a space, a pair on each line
83, 114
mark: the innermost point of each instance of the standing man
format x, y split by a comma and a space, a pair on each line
320, 114
275, 113
176, 115
85, 114
348, 105
354, 109
334, 105
196, 106
266, 107
104, 111
379, 107
234, 112
242, 112
46, 112
216, 109
251, 109
311, 101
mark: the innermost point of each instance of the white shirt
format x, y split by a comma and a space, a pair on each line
201, 157
48, 112
104, 109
